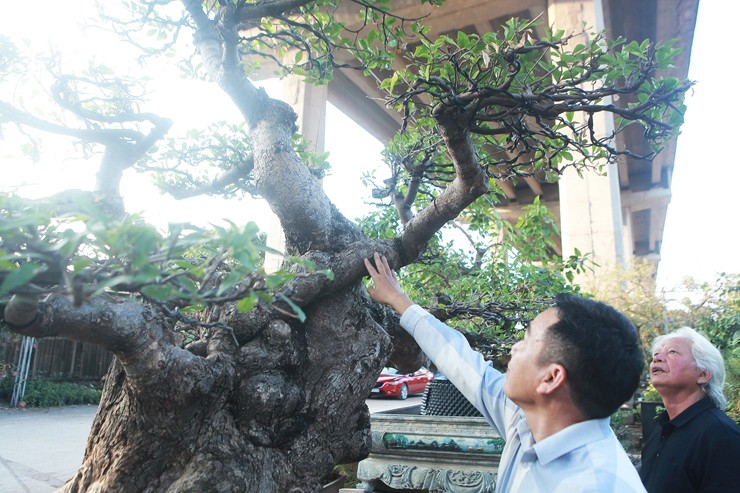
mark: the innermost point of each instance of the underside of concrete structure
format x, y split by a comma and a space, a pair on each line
613, 216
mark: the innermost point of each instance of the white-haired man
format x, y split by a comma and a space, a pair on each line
696, 447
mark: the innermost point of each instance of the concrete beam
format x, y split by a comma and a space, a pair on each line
534, 184
635, 201
508, 189
358, 97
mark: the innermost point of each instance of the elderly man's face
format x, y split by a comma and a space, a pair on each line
673, 366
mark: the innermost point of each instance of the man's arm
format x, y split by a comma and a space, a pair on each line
479, 382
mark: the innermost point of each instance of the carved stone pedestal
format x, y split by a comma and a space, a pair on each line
446, 454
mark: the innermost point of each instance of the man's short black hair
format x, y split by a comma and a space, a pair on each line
600, 350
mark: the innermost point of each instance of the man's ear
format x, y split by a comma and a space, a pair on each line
704, 377
553, 379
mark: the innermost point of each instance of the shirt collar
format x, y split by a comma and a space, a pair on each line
690, 412
570, 438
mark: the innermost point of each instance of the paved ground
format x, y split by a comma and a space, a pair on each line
41, 448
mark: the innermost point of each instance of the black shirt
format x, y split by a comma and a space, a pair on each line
698, 451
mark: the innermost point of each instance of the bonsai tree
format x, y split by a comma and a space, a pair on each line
228, 378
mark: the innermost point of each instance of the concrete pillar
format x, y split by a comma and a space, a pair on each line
627, 238
309, 102
590, 206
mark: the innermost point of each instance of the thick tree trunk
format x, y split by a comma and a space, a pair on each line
268, 404
271, 404
273, 415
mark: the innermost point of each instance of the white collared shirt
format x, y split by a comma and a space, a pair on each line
584, 457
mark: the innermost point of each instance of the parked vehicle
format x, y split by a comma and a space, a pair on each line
392, 383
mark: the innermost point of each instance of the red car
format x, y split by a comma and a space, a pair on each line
394, 384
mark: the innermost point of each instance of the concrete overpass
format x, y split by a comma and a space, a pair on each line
615, 216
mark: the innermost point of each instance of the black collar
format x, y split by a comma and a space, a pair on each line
687, 415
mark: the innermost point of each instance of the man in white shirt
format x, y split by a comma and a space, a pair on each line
578, 362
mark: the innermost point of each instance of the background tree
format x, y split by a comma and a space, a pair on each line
633, 291
230, 379
712, 308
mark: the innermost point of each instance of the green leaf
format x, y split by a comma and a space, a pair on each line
246, 304
20, 277
463, 40
229, 281
195, 308
80, 264
159, 292
277, 279
296, 309
392, 83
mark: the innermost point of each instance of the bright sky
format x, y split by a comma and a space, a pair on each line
700, 237
190, 105
701, 233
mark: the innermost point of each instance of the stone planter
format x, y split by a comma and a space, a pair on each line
449, 454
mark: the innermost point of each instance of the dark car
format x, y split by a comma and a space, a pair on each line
392, 383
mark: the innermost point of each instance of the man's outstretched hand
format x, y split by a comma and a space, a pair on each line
385, 287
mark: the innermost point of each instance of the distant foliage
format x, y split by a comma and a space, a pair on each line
47, 393
712, 308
